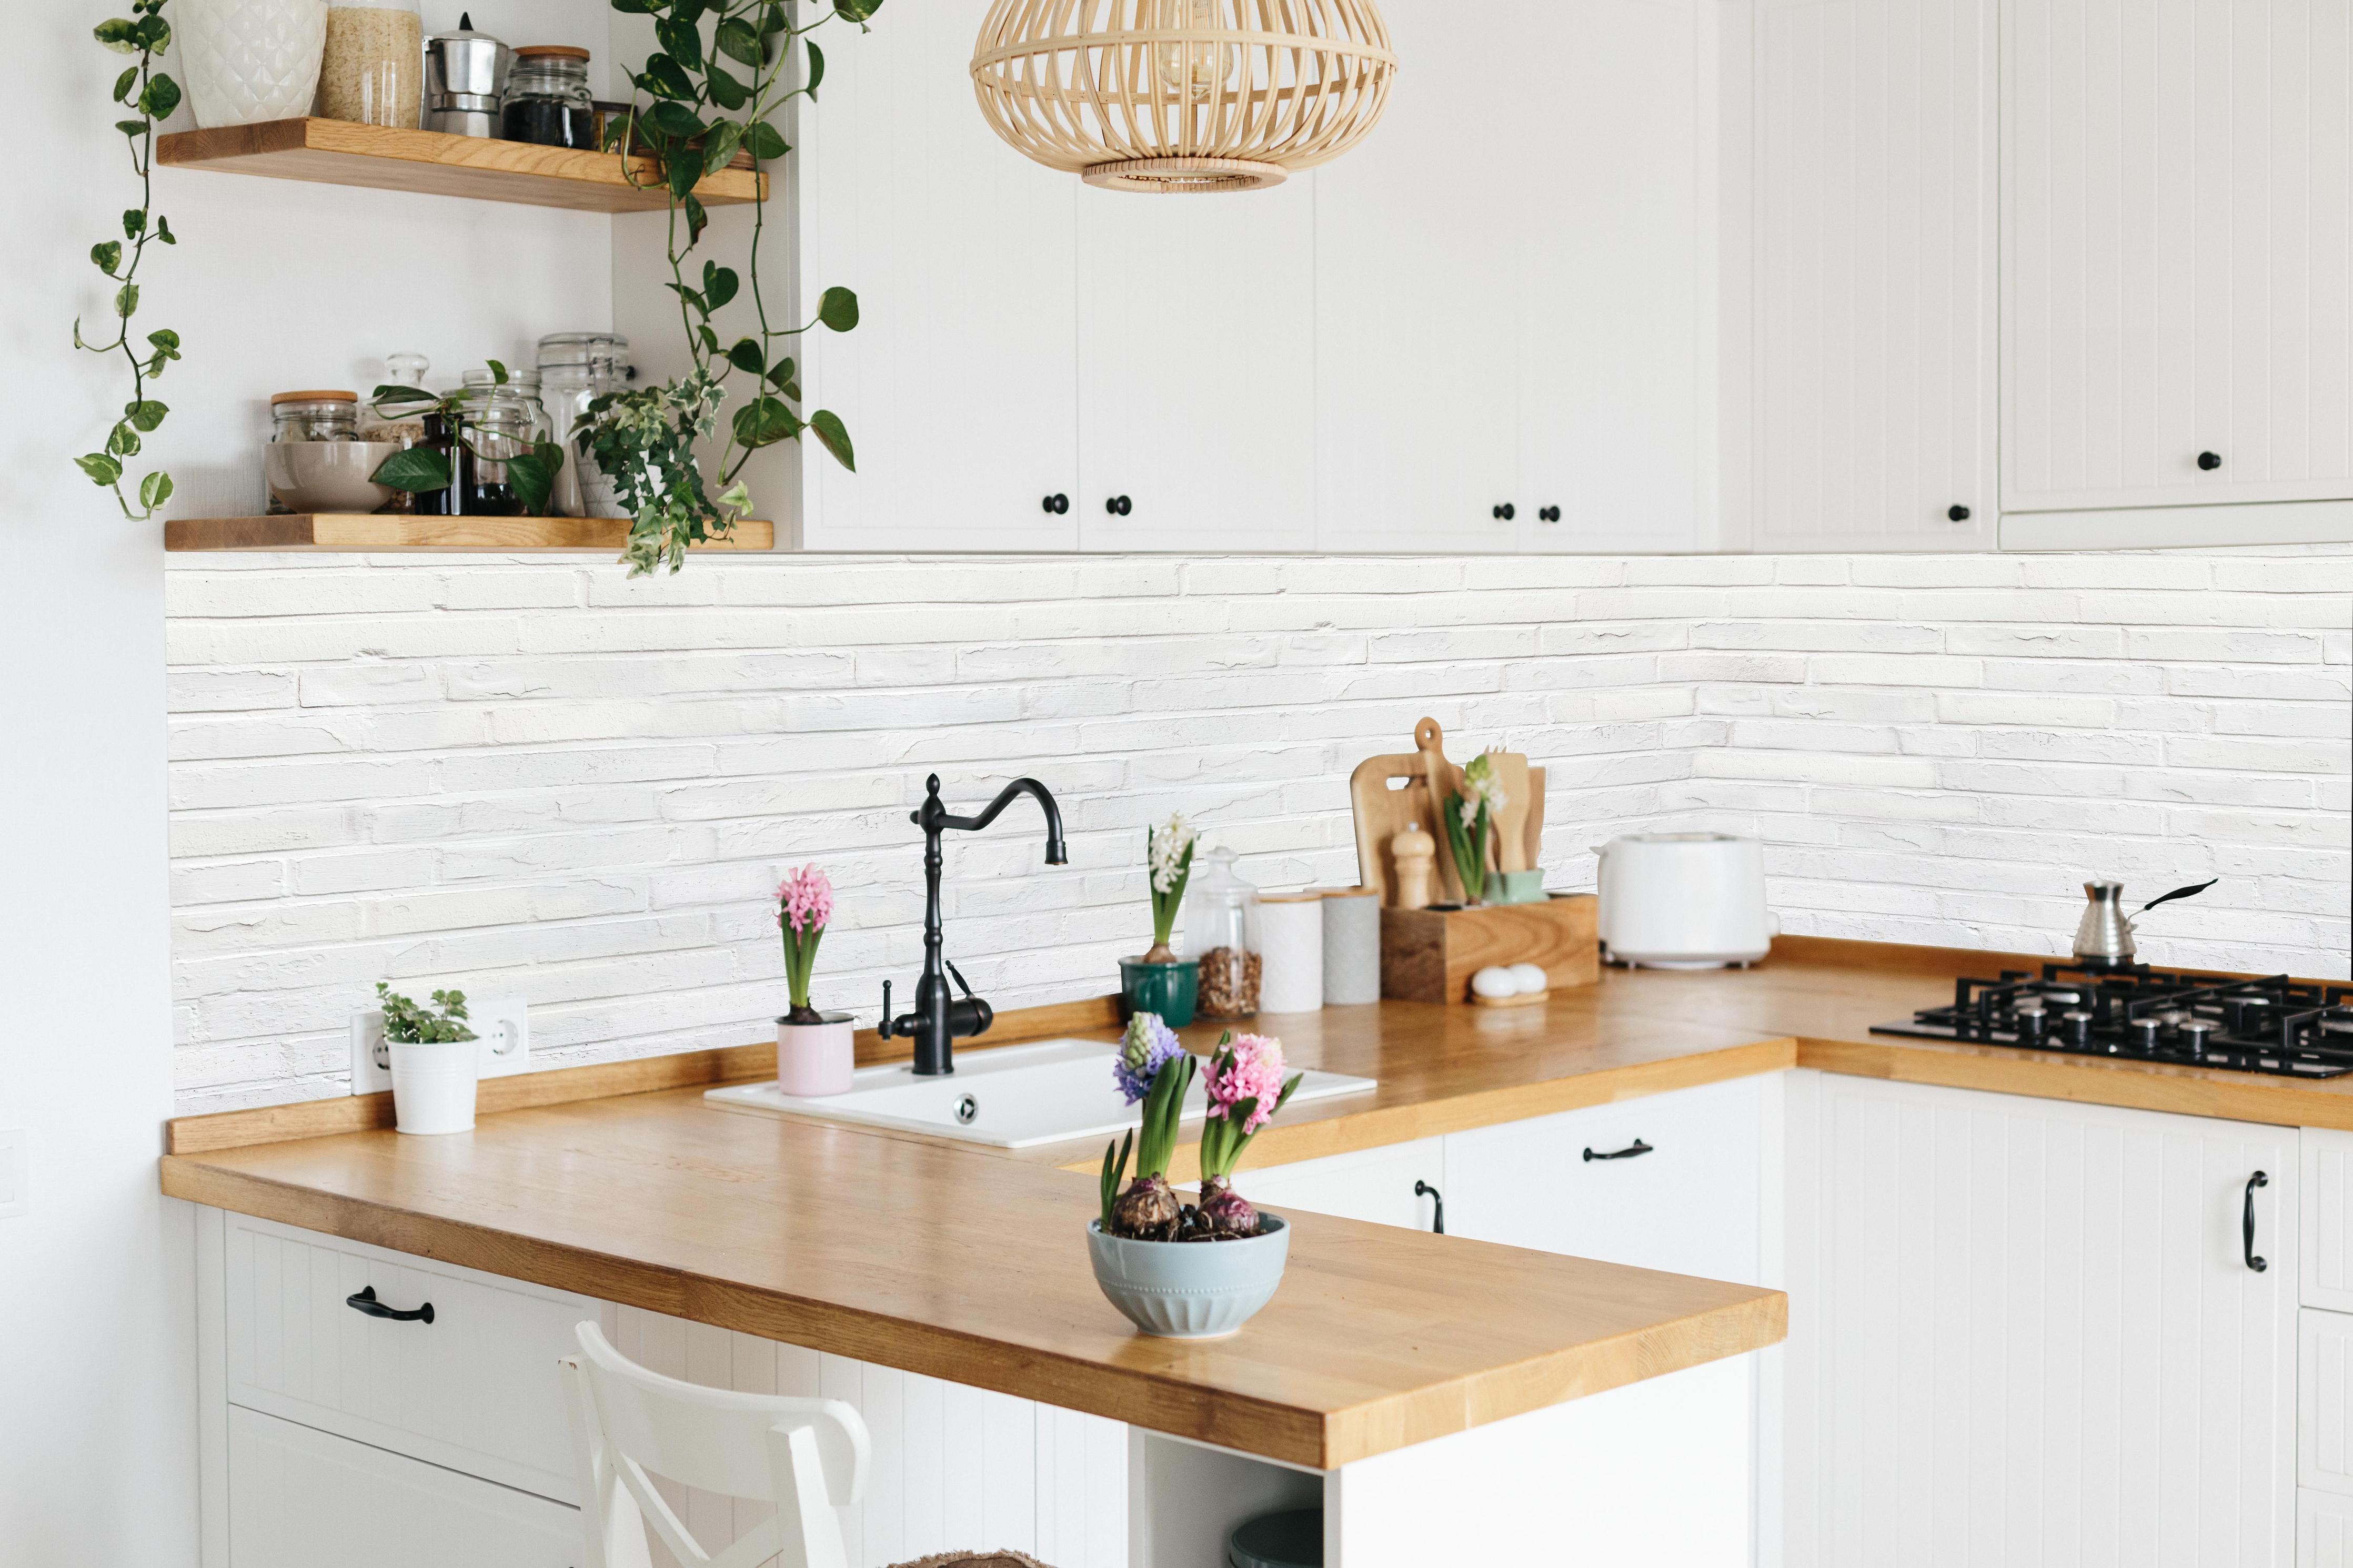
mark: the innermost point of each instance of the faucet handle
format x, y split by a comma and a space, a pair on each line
960, 980
884, 1029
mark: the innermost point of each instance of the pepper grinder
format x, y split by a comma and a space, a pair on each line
1416, 854
465, 77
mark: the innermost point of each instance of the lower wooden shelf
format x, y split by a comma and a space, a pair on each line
374, 532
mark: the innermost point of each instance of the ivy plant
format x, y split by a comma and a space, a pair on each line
149, 95
710, 90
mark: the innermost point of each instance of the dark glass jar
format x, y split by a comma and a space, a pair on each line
547, 100
451, 501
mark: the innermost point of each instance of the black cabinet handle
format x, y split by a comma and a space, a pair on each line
1119, 506
1057, 504
1549, 513
2247, 1225
2210, 461
1437, 1221
1628, 1152
1958, 513
365, 1301
1506, 512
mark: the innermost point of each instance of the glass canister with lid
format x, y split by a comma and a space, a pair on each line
498, 420
373, 68
1221, 930
314, 416
547, 100
575, 370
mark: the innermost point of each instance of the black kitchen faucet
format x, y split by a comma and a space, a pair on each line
939, 1019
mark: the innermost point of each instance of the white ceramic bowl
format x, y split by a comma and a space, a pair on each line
1190, 1289
327, 476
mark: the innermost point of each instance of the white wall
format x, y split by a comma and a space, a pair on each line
539, 775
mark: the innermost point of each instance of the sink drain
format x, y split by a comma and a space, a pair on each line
967, 1111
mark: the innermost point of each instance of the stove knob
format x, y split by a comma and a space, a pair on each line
2079, 1026
2195, 1033
2145, 1033
2031, 1021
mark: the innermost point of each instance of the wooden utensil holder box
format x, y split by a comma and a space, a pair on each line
1429, 955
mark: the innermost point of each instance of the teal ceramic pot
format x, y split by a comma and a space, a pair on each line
1168, 989
1190, 1289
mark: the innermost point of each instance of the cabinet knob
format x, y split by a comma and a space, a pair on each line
1550, 513
1057, 504
1506, 512
1958, 513
1119, 506
2210, 461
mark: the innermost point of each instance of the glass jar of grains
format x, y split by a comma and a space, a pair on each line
547, 100
373, 68
314, 416
1221, 928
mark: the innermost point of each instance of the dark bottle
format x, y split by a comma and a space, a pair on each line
450, 502
547, 100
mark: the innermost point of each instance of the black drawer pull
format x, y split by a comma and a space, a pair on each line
2247, 1225
365, 1301
1628, 1152
1437, 1221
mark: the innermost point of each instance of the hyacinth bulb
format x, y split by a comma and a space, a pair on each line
1193, 71
1147, 1211
1227, 1210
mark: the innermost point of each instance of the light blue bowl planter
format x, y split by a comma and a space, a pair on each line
1190, 1289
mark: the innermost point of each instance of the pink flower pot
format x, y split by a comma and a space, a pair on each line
815, 1060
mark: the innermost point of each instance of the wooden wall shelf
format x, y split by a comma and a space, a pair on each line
374, 534
338, 152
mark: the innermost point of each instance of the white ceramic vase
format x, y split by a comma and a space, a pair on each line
433, 1085
815, 1060
245, 61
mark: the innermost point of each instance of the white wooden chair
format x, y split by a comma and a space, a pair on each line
808, 1456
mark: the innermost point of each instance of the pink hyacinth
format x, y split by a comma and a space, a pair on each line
1255, 1072
808, 898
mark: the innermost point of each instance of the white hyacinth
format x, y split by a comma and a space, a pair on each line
1169, 842
1485, 788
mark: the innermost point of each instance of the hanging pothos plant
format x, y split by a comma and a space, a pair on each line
151, 96
705, 95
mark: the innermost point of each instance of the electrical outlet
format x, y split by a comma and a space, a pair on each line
501, 1026
15, 1195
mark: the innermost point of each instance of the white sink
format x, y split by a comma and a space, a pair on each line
1014, 1097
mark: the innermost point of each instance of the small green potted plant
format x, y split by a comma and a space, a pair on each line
1160, 983
434, 1061
816, 1053
1144, 1242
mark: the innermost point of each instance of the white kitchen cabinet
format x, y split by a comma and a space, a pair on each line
2324, 1530
2325, 1278
1668, 1181
1373, 1185
1874, 389
2022, 1327
2177, 269
2323, 1402
301, 1499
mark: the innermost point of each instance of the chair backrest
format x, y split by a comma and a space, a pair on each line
808, 1456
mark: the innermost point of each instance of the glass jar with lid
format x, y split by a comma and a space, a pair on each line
373, 71
497, 422
547, 100
398, 423
314, 416
575, 370
1221, 930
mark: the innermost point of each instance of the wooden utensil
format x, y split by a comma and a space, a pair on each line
1512, 822
1444, 782
1534, 837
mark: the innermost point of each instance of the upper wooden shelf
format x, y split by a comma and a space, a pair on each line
378, 533
339, 153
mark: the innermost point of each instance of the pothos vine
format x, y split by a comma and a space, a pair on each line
151, 96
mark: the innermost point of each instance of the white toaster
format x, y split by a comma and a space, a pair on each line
1684, 900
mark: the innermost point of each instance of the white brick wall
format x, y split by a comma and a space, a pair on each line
546, 778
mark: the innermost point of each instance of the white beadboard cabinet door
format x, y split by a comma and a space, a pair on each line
2327, 1277
1372, 1184
2025, 1332
1196, 352
2324, 1530
1875, 129
2177, 271
301, 1498
959, 384
2323, 1402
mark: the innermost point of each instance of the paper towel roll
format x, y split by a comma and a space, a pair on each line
1352, 947
1291, 946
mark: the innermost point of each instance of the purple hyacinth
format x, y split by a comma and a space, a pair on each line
1147, 1048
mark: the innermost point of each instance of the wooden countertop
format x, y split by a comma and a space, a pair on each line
967, 1263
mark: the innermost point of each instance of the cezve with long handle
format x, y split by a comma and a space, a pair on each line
2104, 935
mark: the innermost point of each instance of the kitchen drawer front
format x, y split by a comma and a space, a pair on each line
1690, 1203
2326, 1276
2324, 1401
2324, 1530
1375, 1184
301, 1499
475, 1389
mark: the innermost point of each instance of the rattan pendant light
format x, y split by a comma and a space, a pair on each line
1183, 95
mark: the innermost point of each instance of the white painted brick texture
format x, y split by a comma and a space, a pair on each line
546, 779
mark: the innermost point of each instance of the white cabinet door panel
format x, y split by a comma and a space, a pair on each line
2326, 1276
1875, 256
2324, 1401
303, 1499
2178, 238
1373, 1185
2024, 1330
2324, 1530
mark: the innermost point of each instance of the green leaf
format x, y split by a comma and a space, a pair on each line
498, 372
106, 258
163, 231
830, 430
746, 356
815, 67
134, 222
126, 300
124, 83
857, 10
153, 33
768, 143
532, 475
719, 151
740, 42
782, 371
772, 20
725, 91
792, 391
146, 414
675, 120
122, 440
764, 421
162, 97
682, 41
697, 219
101, 468
719, 284
415, 469
134, 129
166, 341
154, 490
118, 34
683, 173
663, 78
838, 308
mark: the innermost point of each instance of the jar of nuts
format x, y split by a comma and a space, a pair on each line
1221, 927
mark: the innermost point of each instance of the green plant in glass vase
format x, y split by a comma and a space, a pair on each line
432, 466
709, 91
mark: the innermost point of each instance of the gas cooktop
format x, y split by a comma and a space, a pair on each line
2134, 1013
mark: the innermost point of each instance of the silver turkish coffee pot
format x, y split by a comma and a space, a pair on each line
2103, 937
465, 76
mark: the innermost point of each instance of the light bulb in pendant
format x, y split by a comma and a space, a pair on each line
1194, 71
